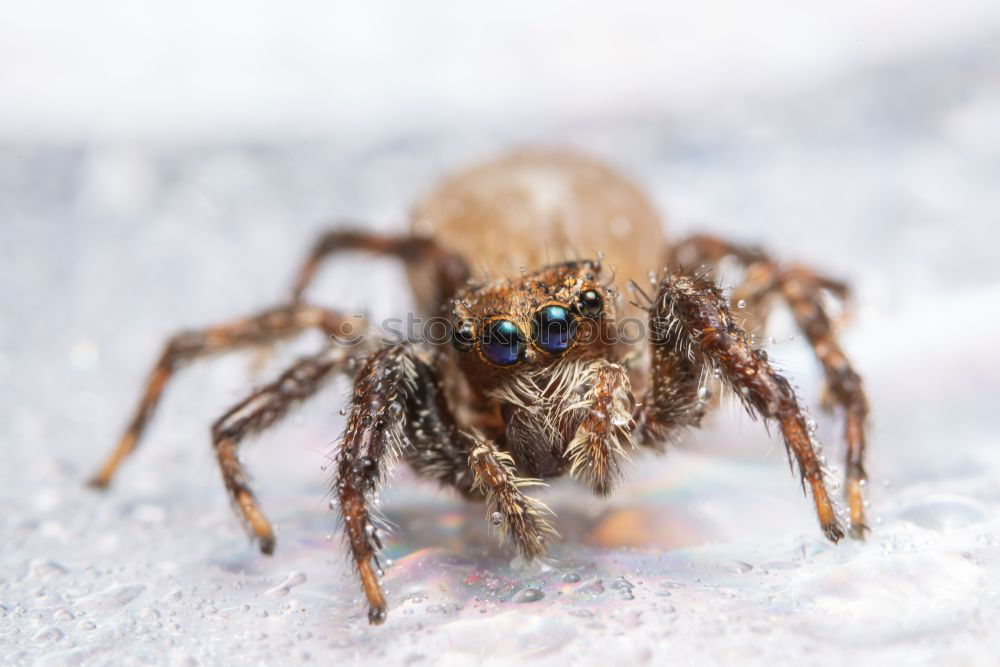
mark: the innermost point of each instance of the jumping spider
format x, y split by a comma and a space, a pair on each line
535, 383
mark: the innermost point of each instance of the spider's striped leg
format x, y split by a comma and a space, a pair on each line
266, 327
264, 407
449, 272
690, 317
372, 441
803, 290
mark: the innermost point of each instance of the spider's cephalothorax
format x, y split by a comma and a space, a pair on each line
536, 348
538, 378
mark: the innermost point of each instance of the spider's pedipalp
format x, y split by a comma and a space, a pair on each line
521, 516
604, 434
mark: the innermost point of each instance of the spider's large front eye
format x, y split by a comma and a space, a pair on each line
503, 343
553, 329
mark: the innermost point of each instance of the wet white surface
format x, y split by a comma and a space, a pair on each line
709, 555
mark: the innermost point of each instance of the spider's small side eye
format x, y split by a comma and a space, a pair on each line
553, 328
503, 343
463, 336
590, 303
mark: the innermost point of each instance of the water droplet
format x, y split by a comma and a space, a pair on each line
48, 635
571, 577
149, 614
621, 583
741, 304
528, 595
61, 615
496, 518
620, 419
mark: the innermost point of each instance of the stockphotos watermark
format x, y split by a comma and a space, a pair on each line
440, 330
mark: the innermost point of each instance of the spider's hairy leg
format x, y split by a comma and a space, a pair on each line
691, 314
258, 411
753, 291
802, 292
449, 270
441, 450
521, 516
372, 441
673, 401
802, 289
604, 434
266, 327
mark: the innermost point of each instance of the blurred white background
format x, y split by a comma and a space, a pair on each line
230, 70
165, 167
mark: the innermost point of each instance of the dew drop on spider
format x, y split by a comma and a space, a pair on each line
741, 304
496, 518
620, 418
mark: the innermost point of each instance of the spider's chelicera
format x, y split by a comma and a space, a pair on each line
537, 381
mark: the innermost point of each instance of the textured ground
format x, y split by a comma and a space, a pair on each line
709, 555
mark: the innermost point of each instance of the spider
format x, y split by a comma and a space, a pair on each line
537, 380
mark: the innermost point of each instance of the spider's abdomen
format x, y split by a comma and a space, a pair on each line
532, 208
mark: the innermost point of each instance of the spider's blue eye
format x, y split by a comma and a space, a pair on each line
503, 343
553, 329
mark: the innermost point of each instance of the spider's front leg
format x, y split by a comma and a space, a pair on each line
400, 409
802, 289
691, 328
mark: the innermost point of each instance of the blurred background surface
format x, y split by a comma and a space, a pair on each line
163, 168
